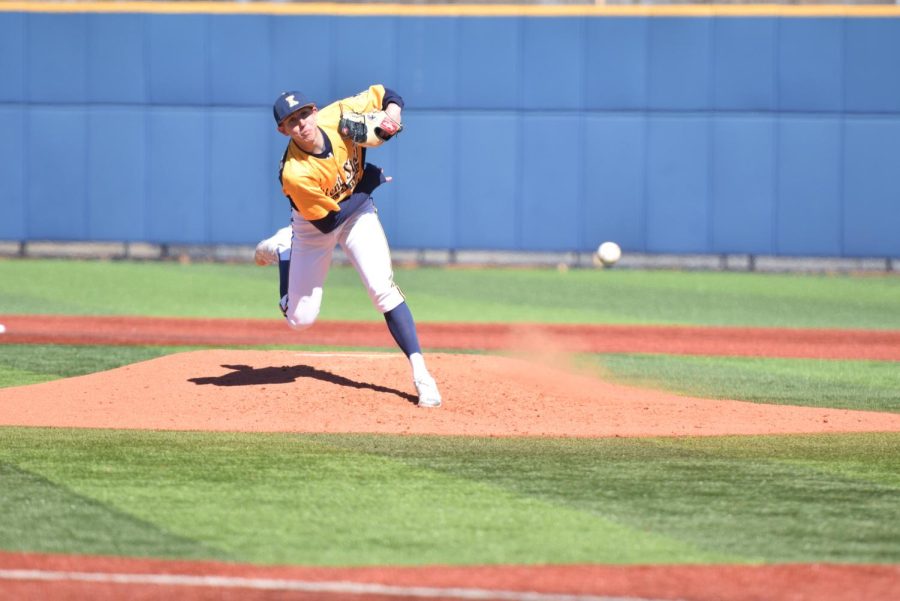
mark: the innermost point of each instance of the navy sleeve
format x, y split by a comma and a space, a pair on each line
372, 178
391, 96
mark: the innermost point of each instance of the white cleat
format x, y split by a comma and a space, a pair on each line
428, 392
267, 251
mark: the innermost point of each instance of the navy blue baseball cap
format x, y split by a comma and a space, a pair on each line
289, 103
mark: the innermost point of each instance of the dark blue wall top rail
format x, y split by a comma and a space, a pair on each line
682, 134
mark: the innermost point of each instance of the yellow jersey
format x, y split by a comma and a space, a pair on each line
318, 185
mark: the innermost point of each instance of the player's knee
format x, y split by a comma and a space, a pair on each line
303, 313
387, 299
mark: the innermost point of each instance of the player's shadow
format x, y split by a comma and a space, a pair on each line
244, 375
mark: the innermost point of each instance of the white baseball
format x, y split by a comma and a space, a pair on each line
2, 328
609, 253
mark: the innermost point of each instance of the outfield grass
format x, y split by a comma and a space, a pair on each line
436, 294
369, 500
862, 385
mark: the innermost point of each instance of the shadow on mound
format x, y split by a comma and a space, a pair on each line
245, 375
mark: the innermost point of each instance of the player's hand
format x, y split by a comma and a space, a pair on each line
368, 129
394, 111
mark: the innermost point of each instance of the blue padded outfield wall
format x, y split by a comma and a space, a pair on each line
770, 134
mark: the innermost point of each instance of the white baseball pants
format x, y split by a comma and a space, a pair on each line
362, 239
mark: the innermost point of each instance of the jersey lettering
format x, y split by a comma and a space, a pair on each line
350, 171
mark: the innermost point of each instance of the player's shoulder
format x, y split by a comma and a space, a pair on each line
374, 89
366, 100
330, 114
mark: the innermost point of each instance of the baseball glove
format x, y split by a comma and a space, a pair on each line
368, 129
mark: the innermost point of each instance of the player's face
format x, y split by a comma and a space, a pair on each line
301, 126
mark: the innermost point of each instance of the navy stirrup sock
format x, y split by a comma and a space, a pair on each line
403, 328
284, 269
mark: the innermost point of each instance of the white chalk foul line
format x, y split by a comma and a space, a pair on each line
356, 588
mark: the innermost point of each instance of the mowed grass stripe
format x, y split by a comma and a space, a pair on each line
277, 499
11, 376
365, 500
56, 286
46, 517
869, 457
860, 385
757, 497
463, 295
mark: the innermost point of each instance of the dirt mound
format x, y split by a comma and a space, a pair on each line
290, 391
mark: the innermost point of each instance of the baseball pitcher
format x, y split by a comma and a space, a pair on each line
329, 184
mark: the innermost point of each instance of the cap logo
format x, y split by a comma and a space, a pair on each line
292, 102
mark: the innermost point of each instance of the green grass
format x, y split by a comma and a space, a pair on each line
369, 500
863, 385
436, 294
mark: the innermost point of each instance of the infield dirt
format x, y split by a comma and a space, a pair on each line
485, 395
881, 345
107, 579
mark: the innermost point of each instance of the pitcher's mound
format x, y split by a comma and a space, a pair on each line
290, 391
